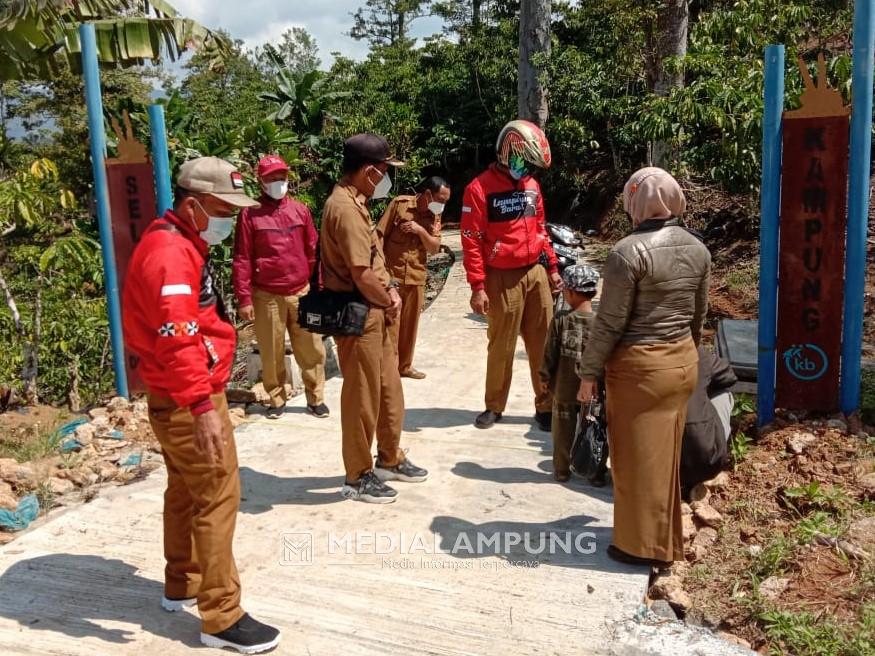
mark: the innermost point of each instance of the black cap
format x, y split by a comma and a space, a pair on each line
367, 148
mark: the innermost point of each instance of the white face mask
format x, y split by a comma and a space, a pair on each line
436, 208
383, 187
219, 228
276, 190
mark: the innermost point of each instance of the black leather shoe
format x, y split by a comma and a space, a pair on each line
544, 421
486, 418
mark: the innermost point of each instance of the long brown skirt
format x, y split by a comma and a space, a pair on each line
647, 390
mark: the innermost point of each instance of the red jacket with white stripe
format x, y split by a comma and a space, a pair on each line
174, 322
503, 225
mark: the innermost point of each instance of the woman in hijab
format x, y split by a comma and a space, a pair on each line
643, 342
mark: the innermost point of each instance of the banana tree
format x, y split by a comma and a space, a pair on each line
299, 100
129, 32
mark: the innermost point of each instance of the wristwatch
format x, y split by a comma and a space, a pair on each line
393, 284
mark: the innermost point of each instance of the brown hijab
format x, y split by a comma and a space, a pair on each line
652, 193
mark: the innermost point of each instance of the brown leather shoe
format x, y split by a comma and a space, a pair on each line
413, 373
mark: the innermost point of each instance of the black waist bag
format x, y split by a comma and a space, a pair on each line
339, 314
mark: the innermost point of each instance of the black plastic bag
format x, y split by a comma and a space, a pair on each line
589, 451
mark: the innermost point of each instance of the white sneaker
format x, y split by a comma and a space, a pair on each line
176, 605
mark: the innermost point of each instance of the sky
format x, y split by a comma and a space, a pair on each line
259, 21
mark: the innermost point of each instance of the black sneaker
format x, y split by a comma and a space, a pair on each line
544, 421
404, 471
486, 418
275, 413
369, 489
319, 410
247, 636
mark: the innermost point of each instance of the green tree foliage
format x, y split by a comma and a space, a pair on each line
440, 103
386, 22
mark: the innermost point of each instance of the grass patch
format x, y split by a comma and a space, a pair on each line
804, 634
29, 443
775, 558
743, 278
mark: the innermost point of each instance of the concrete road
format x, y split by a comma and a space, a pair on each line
489, 556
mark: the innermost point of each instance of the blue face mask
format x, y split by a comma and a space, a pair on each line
518, 167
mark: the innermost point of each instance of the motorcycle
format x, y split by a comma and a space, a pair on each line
565, 245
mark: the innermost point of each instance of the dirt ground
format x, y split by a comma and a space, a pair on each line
775, 506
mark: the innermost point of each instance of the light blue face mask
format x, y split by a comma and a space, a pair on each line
219, 228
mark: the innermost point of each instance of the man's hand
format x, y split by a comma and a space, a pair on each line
247, 313
480, 302
556, 282
209, 436
411, 228
588, 390
394, 310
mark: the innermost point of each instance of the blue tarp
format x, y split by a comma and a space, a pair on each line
20, 518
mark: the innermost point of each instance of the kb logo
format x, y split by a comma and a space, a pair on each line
806, 361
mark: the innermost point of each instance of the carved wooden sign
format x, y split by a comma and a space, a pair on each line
812, 248
132, 207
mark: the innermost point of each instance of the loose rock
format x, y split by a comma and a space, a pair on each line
671, 590
799, 442
685, 509
60, 486
705, 537
118, 404
8, 501
85, 434
699, 494
708, 515
773, 587
689, 526
838, 424
861, 534
720, 481
662, 608
94, 413
20, 476
734, 639
867, 482
755, 550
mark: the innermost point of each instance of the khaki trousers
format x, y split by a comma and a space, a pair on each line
200, 513
405, 329
520, 303
371, 399
648, 387
564, 427
274, 316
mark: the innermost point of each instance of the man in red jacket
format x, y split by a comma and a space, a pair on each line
183, 345
274, 257
504, 236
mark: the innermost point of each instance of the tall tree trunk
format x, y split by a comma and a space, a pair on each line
475, 13
401, 28
666, 37
534, 41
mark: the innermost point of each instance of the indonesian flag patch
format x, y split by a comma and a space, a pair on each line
236, 180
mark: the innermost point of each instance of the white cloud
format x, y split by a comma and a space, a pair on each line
258, 21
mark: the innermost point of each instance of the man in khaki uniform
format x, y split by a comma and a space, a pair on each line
371, 399
410, 229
